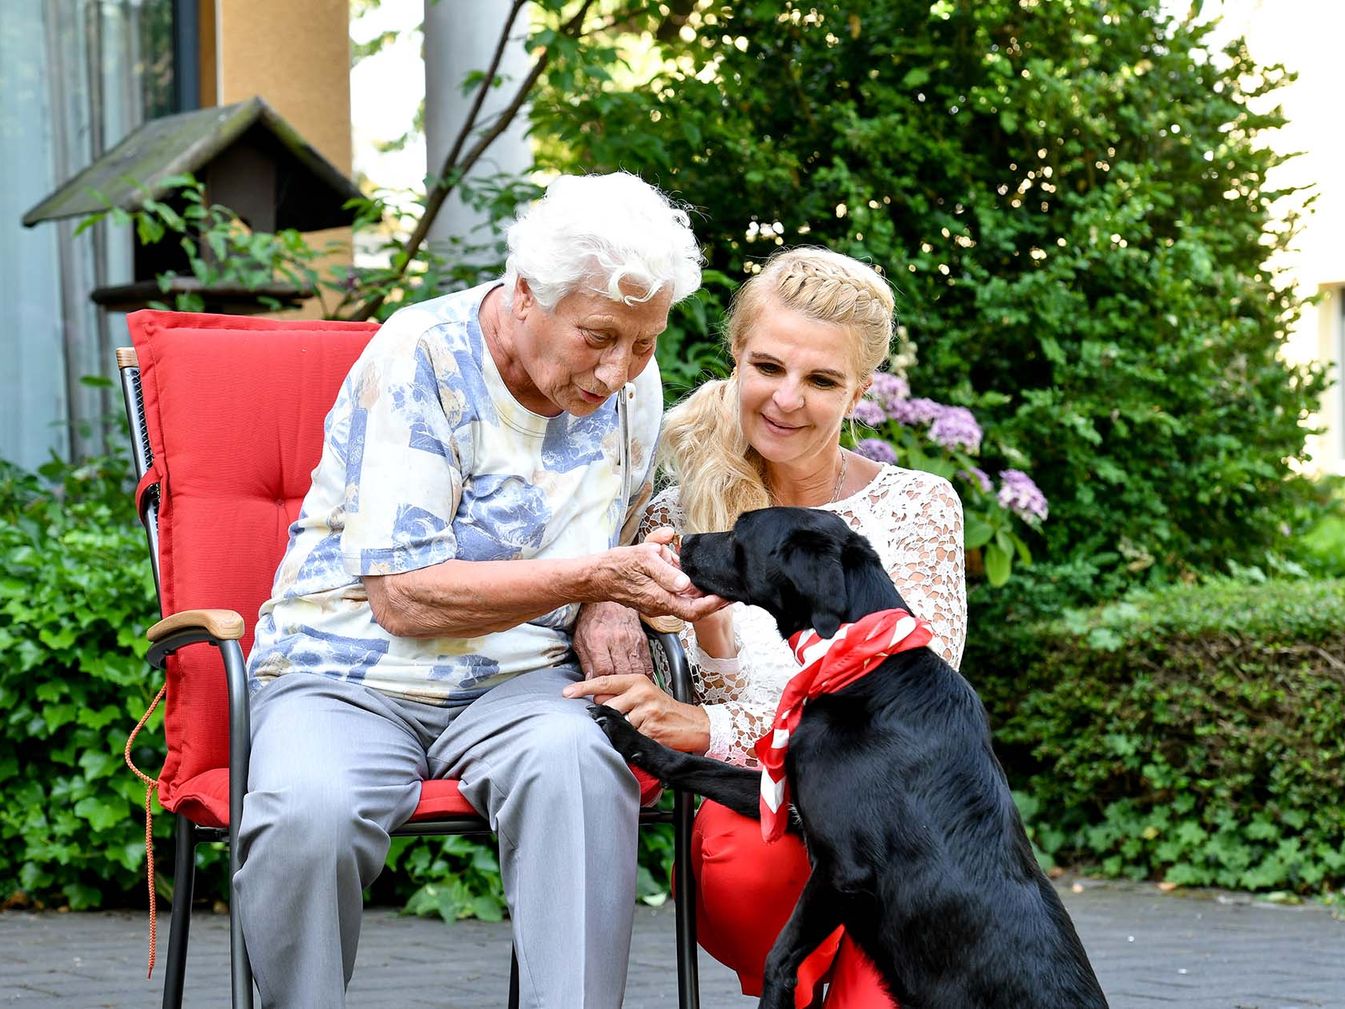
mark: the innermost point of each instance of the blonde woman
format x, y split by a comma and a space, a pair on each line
806, 335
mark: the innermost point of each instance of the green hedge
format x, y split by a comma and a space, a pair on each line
1194, 734
76, 596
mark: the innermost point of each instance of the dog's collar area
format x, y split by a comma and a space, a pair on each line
879, 633
828, 664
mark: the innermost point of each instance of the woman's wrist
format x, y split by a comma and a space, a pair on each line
714, 635
695, 735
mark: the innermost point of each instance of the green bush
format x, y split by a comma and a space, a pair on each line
1194, 734
76, 596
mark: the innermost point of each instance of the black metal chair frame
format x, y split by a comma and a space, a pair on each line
669, 660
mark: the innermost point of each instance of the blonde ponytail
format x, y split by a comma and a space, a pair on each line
703, 447
704, 450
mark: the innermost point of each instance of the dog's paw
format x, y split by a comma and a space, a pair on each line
623, 736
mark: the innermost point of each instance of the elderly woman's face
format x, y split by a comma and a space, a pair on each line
583, 350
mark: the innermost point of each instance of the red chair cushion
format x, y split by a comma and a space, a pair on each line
234, 411
439, 797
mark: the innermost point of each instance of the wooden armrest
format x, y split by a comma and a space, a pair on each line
663, 625
223, 624
127, 358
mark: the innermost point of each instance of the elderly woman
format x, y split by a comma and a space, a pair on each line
485, 458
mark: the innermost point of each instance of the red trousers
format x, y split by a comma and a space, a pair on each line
745, 890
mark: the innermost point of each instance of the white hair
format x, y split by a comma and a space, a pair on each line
600, 231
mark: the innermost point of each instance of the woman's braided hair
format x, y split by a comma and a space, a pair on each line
703, 447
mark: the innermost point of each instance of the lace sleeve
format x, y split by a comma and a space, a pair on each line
663, 510
926, 559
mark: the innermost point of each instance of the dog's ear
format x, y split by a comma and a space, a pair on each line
817, 578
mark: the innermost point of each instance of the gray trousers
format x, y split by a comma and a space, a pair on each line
336, 765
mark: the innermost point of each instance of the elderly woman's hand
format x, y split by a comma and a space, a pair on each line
647, 577
610, 642
684, 727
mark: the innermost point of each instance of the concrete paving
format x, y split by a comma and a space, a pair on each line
1150, 950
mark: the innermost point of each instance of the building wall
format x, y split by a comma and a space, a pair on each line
1305, 36
296, 55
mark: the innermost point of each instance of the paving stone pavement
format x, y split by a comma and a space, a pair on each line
1151, 950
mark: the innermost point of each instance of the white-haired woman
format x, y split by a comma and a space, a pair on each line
806, 335
486, 457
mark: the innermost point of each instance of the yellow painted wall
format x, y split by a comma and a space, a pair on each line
296, 55
1305, 35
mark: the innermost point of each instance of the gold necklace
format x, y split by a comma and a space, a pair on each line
840, 477
835, 490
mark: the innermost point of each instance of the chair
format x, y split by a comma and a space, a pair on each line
226, 418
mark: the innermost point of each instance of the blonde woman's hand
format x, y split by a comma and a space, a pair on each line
684, 727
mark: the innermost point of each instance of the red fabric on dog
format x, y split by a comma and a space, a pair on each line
234, 411
746, 888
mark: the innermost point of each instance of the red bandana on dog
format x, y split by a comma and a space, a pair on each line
828, 665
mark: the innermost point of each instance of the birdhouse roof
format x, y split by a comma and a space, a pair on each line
311, 191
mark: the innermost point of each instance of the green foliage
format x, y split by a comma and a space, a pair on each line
1072, 202
221, 249
75, 599
455, 877
689, 350
1191, 734
1319, 546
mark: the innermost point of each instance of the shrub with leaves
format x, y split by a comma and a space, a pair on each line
1192, 734
76, 597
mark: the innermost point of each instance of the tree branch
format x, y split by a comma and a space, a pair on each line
453, 172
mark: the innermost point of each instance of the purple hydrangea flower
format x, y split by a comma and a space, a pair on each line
1021, 496
889, 386
910, 412
888, 389
877, 450
869, 413
977, 476
956, 427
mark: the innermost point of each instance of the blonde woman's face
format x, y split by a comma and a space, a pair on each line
796, 383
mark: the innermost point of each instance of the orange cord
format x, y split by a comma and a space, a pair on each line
150, 784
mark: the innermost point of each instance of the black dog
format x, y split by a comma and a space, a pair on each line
915, 844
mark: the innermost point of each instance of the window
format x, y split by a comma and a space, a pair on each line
77, 76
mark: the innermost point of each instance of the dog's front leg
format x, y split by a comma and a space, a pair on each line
735, 787
815, 916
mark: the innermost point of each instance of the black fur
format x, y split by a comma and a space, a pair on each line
915, 843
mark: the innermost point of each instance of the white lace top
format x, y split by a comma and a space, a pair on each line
914, 521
